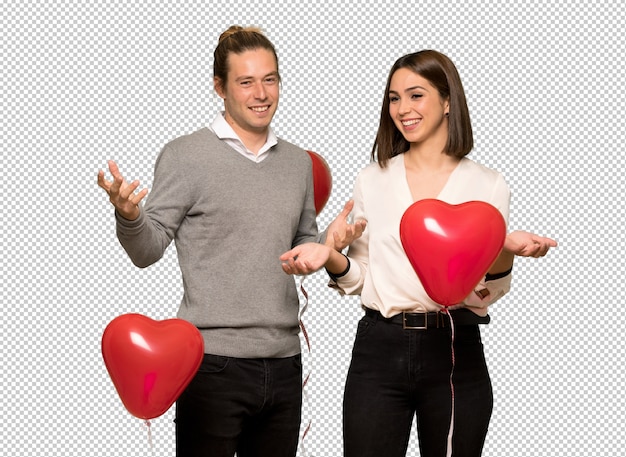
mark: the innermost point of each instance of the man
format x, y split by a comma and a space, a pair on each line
233, 197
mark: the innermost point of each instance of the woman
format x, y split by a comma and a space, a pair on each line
397, 372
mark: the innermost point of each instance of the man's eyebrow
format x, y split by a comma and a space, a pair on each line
241, 78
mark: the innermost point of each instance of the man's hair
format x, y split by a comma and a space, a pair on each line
237, 39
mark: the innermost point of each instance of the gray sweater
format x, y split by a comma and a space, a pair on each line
230, 219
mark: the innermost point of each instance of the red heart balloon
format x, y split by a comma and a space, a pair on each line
451, 247
151, 362
322, 181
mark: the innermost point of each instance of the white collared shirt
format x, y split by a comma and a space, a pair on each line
225, 132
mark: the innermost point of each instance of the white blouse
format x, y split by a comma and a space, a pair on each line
379, 270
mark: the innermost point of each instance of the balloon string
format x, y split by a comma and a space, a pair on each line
304, 434
451, 428
306, 336
302, 310
149, 429
308, 376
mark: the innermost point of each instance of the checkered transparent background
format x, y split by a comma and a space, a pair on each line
83, 82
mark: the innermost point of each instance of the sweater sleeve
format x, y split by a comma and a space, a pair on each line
307, 227
146, 238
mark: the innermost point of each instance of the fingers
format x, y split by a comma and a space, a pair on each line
102, 182
543, 245
341, 240
119, 189
114, 169
354, 231
127, 192
538, 249
116, 185
288, 260
289, 255
122, 195
359, 228
527, 244
117, 182
304, 259
288, 265
549, 242
135, 199
347, 209
115, 172
286, 269
295, 266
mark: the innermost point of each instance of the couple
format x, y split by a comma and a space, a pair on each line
238, 202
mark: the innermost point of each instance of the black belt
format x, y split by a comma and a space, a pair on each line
424, 321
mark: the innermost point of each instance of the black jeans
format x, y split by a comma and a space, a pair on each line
248, 406
396, 374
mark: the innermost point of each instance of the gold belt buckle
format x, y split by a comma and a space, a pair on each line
412, 327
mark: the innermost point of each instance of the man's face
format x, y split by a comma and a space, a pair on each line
251, 91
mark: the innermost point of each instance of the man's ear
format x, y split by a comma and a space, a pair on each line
218, 84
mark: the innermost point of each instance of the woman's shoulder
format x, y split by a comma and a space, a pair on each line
374, 170
468, 166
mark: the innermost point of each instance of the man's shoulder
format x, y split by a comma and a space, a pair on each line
200, 137
292, 153
200, 145
288, 146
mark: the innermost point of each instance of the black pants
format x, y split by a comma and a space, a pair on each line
248, 406
396, 374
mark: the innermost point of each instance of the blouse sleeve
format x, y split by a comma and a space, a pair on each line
493, 287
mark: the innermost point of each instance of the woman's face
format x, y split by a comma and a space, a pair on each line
417, 109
